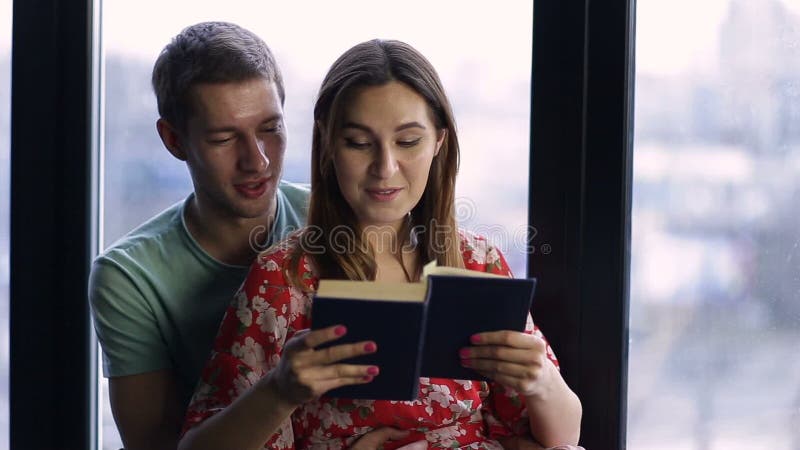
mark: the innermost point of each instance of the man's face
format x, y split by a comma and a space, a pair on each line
234, 144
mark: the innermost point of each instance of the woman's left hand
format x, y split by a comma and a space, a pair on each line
513, 359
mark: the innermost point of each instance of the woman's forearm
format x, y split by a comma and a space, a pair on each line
247, 423
555, 414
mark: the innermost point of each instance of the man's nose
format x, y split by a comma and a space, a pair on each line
252, 157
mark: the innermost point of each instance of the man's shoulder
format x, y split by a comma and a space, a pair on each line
294, 191
148, 240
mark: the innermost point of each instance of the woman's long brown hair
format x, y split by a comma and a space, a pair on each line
332, 238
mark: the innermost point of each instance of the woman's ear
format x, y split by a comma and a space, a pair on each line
442, 135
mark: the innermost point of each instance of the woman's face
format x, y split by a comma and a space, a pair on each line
384, 151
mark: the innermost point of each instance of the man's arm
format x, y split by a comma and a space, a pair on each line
147, 410
145, 405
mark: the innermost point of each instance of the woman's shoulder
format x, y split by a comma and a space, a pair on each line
480, 254
277, 256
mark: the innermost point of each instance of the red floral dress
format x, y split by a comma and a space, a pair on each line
267, 311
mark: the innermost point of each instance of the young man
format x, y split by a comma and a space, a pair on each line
159, 293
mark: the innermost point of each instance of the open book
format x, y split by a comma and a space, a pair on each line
419, 327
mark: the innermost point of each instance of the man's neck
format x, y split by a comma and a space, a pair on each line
231, 240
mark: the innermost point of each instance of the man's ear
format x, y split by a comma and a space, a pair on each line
440, 140
171, 139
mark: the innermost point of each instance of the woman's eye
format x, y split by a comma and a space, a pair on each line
409, 142
358, 145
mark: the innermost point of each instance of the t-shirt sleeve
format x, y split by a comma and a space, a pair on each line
125, 324
249, 344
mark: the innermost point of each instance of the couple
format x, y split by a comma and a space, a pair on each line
384, 156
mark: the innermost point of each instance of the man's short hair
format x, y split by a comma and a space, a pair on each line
209, 52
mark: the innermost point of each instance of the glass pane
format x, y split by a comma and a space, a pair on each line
715, 272
5, 198
486, 74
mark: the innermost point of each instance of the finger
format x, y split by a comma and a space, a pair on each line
336, 353
507, 338
375, 438
323, 335
505, 380
326, 385
332, 372
514, 383
503, 353
497, 368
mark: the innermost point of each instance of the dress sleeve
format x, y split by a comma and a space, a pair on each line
504, 410
249, 344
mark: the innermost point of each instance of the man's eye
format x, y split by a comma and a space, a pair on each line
222, 141
409, 142
272, 128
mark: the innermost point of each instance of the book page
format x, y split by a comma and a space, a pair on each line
432, 269
371, 290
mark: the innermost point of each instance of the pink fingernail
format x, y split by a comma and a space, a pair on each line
340, 330
370, 347
464, 353
475, 338
373, 370
367, 378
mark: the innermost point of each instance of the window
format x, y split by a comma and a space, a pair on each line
715, 268
487, 76
5, 141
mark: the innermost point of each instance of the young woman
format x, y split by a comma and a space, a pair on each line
384, 161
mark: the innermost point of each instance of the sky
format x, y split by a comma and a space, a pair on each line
673, 36
325, 29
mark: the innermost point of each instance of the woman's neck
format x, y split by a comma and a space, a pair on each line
395, 259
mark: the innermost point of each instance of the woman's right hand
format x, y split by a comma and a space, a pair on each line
304, 373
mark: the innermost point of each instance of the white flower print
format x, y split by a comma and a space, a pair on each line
530, 329
299, 303
285, 437
259, 304
441, 395
466, 384
269, 320
329, 415
243, 312
271, 266
461, 408
492, 256
445, 436
251, 353
478, 245
243, 382
319, 440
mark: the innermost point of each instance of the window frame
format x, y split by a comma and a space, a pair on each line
580, 200
579, 203
52, 387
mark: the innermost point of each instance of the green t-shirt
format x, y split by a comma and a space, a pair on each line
158, 298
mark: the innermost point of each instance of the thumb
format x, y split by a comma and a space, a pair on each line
375, 438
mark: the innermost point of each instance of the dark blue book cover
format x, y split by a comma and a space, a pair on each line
422, 338
397, 329
460, 306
